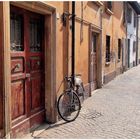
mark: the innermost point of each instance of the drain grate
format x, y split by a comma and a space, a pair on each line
90, 114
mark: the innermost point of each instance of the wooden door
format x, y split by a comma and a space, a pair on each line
93, 61
1, 75
27, 68
1, 100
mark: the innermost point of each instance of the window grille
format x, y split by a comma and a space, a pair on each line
16, 32
36, 35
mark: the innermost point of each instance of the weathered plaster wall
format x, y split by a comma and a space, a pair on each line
113, 26
119, 31
81, 47
131, 34
91, 14
107, 30
139, 40
62, 34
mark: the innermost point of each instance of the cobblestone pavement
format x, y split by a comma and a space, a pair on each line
111, 112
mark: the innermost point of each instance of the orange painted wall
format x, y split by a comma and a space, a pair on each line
81, 48
119, 29
61, 45
111, 25
91, 14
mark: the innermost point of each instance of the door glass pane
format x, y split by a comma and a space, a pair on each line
16, 32
35, 35
94, 47
94, 38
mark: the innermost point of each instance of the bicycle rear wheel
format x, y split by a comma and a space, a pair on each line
69, 106
80, 92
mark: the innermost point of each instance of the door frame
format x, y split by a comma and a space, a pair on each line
2, 129
50, 58
98, 31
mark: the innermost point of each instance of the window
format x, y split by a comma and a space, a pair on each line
94, 42
107, 48
129, 14
16, 32
134, 46
119, 48
135, 19
36, 35
109, 5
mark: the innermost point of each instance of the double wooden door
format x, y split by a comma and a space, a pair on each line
93, 61
27, 65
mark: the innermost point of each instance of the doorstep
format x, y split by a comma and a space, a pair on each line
36, 131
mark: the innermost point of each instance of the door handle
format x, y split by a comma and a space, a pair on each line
28, 76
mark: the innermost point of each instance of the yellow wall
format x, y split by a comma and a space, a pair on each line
91, 14
112, 24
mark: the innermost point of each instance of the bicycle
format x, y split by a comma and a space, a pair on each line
69, 102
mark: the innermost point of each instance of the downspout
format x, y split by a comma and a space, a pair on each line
73, 41
126, 43
101, 53
137, 27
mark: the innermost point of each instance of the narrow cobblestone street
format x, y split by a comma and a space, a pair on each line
111, 112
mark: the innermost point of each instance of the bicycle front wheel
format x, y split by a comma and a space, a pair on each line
69, 106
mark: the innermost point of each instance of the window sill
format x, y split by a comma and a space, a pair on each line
109, 11
99, 3
107, 63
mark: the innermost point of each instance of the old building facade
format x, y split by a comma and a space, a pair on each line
138, 39
132, 11
35, 46
114, 33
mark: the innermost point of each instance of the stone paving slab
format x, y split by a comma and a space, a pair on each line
111, 112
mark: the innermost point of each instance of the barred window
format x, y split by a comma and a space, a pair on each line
16, 32
107, 48
119, 48
36, 35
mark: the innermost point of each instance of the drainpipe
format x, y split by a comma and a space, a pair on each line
137, 28
126, 43
101, 78
73, 41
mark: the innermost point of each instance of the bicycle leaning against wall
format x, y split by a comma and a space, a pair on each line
69, 102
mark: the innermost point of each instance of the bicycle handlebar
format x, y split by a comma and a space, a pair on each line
69, 78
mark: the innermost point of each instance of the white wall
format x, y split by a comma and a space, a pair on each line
131, 34
139, 39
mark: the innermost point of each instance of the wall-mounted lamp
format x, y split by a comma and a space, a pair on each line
65, 16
